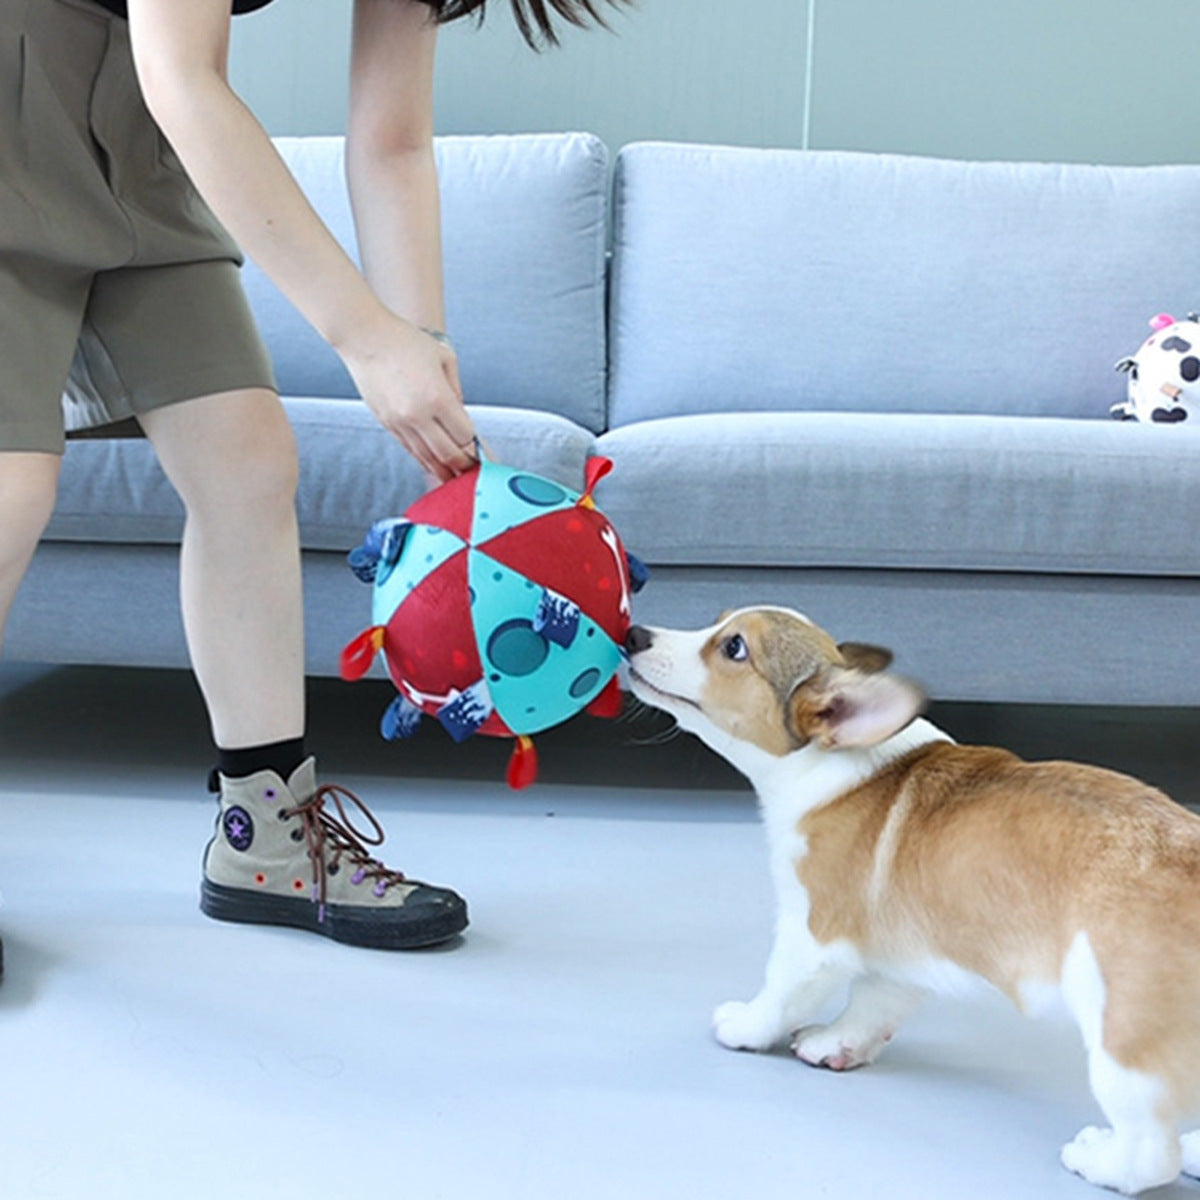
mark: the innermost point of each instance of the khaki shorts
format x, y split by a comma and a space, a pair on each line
119, 290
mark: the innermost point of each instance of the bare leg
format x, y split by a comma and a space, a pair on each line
877, 1008
232, 458
28, 484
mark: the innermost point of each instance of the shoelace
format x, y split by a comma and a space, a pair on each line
323, 830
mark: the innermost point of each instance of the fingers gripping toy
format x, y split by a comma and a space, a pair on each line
1164, 375
500, 603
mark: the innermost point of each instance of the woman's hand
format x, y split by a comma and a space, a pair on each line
409, 380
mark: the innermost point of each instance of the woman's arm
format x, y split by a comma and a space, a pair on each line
407, 378
389, 156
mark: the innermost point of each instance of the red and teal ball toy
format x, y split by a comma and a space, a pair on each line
501, 601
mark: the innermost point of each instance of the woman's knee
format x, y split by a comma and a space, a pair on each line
262, 464
231, 452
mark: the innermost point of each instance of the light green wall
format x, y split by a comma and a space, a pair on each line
1072, 80
1075, 80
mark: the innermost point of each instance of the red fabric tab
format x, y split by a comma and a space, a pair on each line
360, 653
597, 467
523, 765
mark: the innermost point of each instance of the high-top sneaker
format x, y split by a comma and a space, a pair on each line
279, 857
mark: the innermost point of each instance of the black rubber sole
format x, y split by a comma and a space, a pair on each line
407, 928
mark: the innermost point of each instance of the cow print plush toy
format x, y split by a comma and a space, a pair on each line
1164, 375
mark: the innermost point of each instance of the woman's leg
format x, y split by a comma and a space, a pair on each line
279, 856
232, 458
28, 484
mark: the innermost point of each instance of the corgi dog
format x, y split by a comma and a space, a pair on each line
903, 862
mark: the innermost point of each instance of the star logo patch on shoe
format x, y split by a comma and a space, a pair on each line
238, 828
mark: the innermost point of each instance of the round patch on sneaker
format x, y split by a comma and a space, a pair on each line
238, 827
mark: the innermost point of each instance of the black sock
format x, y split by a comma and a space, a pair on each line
281, 757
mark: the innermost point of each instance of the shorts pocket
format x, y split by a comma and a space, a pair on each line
54, 200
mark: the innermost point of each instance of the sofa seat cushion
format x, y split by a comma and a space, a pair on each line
911, 491
352, 472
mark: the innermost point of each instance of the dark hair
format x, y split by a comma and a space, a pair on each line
535, 18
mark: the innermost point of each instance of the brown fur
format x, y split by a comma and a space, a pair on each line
997, 864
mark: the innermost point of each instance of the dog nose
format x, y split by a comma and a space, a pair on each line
638, 638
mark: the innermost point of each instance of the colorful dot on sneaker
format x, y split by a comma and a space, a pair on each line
298, 885
270, 793
260, 878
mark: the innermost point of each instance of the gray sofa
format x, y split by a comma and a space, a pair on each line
872, 387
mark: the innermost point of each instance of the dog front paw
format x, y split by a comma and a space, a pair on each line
827, 1046
742, 1025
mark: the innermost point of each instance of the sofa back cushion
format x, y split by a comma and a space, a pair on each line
524, 232
776, 280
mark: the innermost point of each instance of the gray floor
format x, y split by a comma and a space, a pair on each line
561, 1050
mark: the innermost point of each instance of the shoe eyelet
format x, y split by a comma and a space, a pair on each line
282, 814
332, 869
297, 835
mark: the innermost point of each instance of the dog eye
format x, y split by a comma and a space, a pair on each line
734, 648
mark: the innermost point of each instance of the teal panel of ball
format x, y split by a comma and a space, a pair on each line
425, 549
534, 683
505, 498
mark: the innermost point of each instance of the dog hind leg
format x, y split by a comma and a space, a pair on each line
1142, 1148
1190, 1143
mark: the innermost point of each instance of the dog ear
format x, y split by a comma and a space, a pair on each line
850, 708
864, 657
